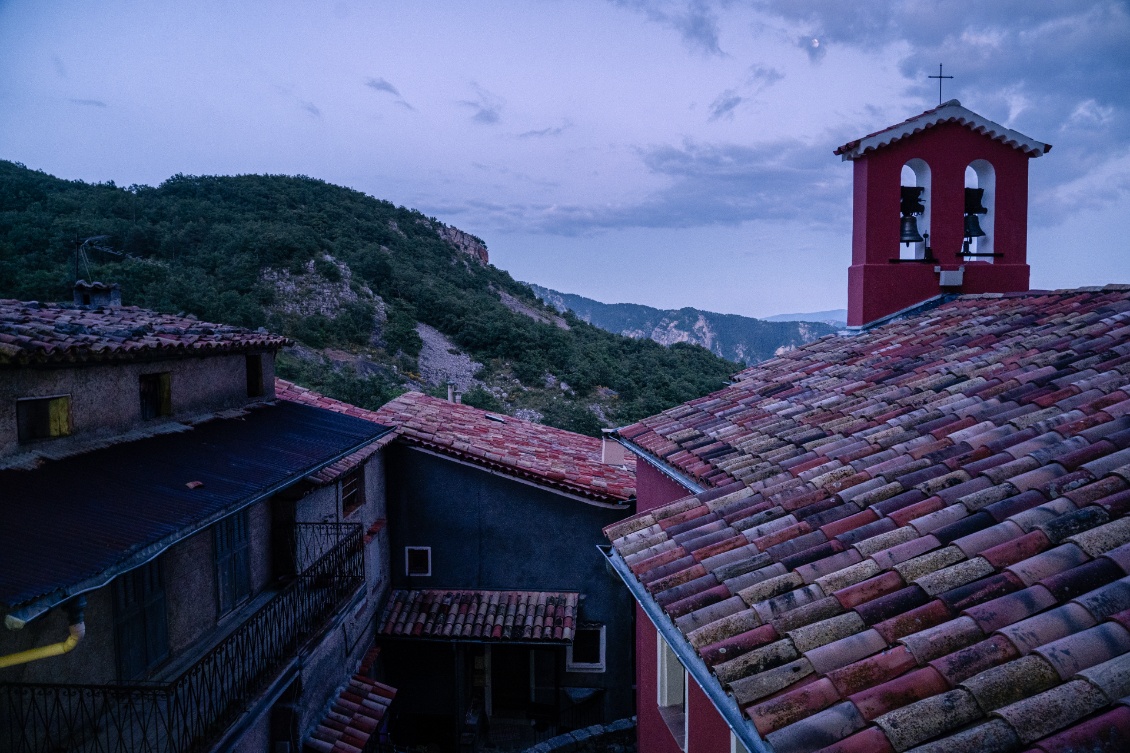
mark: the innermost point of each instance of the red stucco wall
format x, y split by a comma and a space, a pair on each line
877, 287
708, 731
654, 488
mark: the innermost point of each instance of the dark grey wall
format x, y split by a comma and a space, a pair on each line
491, 532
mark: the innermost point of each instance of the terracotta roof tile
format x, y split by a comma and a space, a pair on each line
514, 616
42, 333
354, 717
535, 452
937, 540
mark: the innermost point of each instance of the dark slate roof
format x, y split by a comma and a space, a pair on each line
523, 616
53, 333
543, 454
76, 522
947, 112
913, 538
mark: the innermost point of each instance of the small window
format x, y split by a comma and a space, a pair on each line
140, 624
43, 417
156, 395
418, 560
586, 652
672, 692
255, 376
233, 561
736, 744
352, 491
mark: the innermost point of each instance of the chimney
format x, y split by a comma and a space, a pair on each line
940, 206
96, 295
451, 392
611, 451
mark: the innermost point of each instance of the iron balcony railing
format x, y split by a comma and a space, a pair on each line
191, 711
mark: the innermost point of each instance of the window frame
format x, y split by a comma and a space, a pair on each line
141, 626
232, 561
672, 682
408, 561
353, 499
253, 367
155, 394
595, 667
56, 426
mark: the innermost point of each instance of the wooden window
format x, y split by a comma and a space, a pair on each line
255, 375
233, 561
418, 560
43, 417
672, 692
141, 628
586, 652
156, 395
352, 491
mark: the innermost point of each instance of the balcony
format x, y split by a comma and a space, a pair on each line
190, 711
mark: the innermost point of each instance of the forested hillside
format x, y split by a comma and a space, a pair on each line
738, 338
379, 298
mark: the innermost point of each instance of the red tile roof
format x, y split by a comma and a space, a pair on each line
547, 456
947, 112
481, 615
916, 536
356, 715
34, 333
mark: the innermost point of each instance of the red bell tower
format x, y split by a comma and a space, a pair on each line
940, 206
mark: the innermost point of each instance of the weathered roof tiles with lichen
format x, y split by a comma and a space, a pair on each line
928, 556
546, 455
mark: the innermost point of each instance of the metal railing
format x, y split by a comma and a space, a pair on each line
192, 710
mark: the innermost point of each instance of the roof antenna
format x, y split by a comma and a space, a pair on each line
939, 77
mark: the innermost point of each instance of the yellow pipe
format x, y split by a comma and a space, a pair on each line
55, 649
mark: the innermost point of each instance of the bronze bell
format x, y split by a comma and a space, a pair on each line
910, 232
973, 227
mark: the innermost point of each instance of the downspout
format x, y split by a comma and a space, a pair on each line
727, 707
77, 630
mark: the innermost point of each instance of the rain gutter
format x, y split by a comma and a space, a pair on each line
679, 478
739, 724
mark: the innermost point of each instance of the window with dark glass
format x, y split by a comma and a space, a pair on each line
43, 417
418, 560
586, 652
156, 395
254, 375
352, 491
141, 628
233, 561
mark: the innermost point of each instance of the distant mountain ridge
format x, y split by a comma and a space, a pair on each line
731, 336
836, 317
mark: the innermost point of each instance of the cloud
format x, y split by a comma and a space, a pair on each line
1057, 71
695, 20
706, 184
88, 102
486, 107
379, 84
723, 106
382, 85
761, 77
545, 132
311, 108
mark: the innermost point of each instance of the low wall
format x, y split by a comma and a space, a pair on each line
617, 737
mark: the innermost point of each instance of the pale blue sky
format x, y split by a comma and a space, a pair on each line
668, 153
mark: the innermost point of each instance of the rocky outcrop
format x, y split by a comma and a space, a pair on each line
738, 338
464, 242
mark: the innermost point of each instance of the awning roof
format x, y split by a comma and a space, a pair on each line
74, 524
514, 616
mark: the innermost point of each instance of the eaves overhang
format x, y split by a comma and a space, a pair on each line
727, 707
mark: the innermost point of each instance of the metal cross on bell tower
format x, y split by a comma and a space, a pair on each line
939, 77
